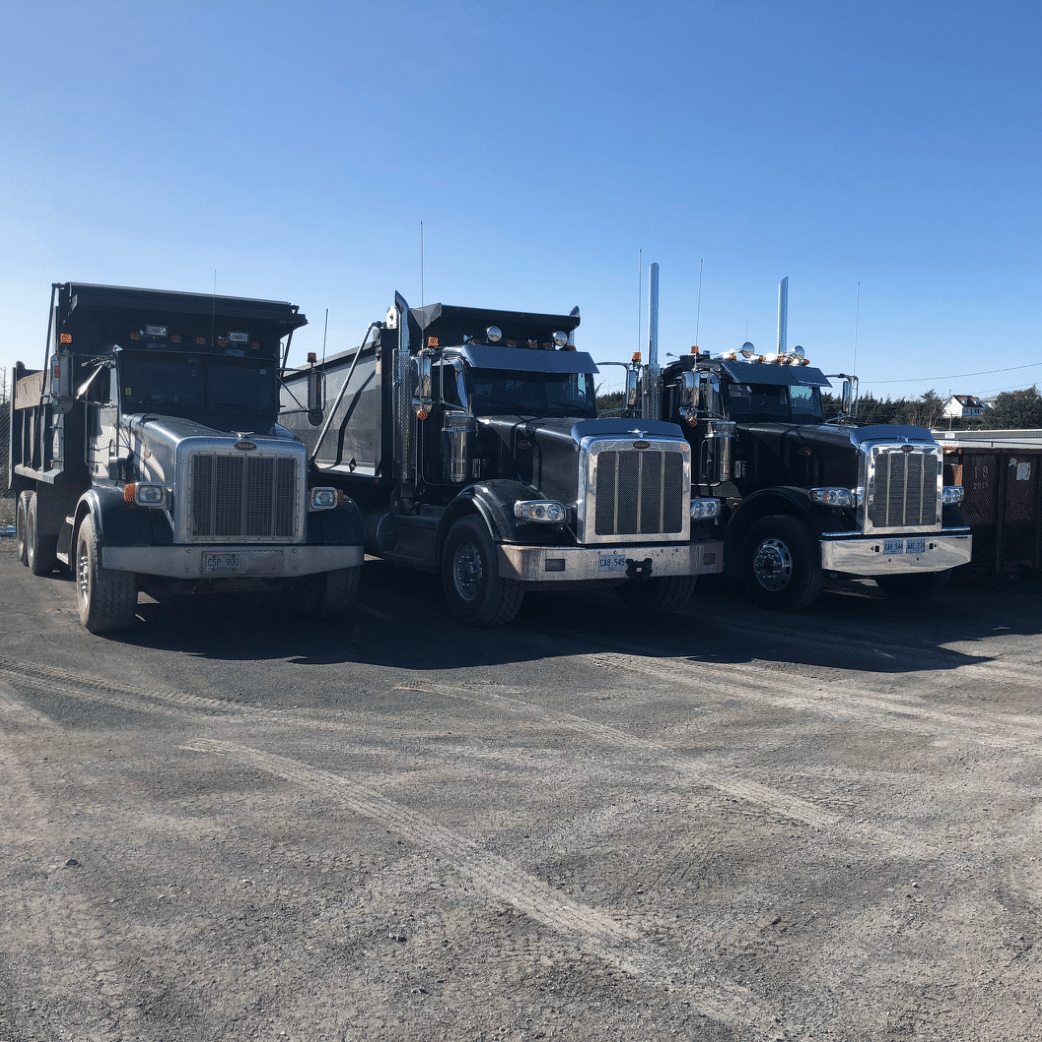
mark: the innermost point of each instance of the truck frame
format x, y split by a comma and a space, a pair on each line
146, 455
469, 439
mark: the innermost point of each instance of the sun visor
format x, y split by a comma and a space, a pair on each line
520, 359
775, 375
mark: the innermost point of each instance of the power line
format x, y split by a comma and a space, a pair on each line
957, 376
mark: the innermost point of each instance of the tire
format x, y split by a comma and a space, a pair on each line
475, 592
913, 586
781, 564
21, 517
107, 599
40, 551
667, 594
331, 595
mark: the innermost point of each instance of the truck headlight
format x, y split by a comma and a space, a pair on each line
952, 494
547, 510
147, 494
834, 497
703, 509
324, 498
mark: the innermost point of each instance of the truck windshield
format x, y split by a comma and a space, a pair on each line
779, 402
192, 385
503, 393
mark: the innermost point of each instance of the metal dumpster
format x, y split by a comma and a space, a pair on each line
1001, 472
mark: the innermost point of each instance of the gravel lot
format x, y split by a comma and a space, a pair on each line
723, 825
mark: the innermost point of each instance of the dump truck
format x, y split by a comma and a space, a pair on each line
147, 456
470, 440
804, 497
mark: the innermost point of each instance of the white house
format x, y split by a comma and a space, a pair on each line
963, 407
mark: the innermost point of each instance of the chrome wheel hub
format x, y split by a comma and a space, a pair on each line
772, 565
467, 571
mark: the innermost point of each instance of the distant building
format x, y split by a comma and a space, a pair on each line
963, 407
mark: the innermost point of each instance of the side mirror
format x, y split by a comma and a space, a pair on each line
632, 388
61, 383
316, 396
422, 399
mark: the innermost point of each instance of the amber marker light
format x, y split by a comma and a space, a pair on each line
422, 414
636, 356
432, 341
65, 338
128, 491
312, 357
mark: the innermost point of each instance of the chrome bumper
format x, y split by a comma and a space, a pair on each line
570, 564
212, 562
892, 555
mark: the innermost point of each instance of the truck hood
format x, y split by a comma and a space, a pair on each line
814, 455
544, 451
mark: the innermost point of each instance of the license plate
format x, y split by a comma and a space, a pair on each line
915, 546
893, 546
221, 564
611, 563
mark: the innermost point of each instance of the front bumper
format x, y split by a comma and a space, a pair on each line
213, 562
579, 564
895, 555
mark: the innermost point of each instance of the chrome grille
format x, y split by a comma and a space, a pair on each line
243, 497
903, 487
640, 492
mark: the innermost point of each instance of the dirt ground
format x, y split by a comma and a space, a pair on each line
723, 825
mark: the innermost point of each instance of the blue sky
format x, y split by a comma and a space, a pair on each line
294, 149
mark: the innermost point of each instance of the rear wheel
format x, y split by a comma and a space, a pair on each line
21, 519
40, 551
107, 599
781, 564
913, 586
665, 594
470, 576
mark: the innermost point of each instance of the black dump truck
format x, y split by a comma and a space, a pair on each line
802, 497
146, 456
469, 439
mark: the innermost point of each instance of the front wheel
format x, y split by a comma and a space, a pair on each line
781, 564
474, 589
330, 595
666, 594
913, 586
107, 599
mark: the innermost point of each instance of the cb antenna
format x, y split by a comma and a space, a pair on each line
421, 264
325, 330
640, 294
857, 316
698, 310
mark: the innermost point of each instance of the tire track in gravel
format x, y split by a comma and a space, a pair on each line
595, 931
49, 926
763, 684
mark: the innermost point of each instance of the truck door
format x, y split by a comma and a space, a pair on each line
102, 418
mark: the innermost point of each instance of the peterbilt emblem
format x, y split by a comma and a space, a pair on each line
642, 444
245, 446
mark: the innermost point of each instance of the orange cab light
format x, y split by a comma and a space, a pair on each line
65, 338
312, 357
200, 340
636, 356
432, 341
694, 349
129, 490
422, 414
176, 338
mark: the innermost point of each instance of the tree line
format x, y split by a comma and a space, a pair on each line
1013, 410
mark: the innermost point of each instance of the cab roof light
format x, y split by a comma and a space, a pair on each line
65, 338
433, 341
200, 340
636, 356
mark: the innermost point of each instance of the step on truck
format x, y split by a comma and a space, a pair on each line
470, 440
146, 455
804, 498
